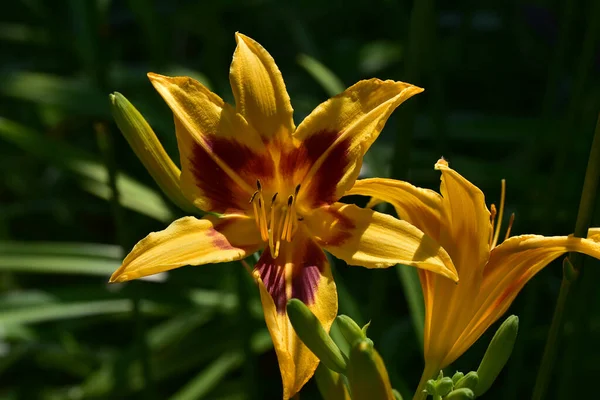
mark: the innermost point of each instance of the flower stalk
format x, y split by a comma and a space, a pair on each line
572, 266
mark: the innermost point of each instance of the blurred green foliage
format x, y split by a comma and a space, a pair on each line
512, 91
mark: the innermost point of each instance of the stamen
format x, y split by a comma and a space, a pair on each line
264, 230
510, 224
297, 190
286, 222
271, 244
493, 221
501, 213
258, 185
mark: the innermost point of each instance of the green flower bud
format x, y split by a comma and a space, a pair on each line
497, 354
457, 376
444, 386
460, 394
350, 329
331, 384
311, 332
367, 375
430, 387
397, 395
469, 381
149, 150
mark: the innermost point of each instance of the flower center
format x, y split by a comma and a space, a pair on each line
495, 233
278, 222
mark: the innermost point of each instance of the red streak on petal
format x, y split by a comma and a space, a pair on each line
216, 184
307, 273
273, 277
342, 230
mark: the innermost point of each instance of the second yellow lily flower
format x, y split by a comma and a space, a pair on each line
491, 274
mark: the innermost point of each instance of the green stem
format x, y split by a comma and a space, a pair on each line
584, 217
428, 373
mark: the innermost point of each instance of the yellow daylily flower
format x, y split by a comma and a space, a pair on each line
491, 274
276, 187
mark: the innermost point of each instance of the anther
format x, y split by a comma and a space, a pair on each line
296, 190
290, 200
273, 199
258, 185
510, 224
253, 196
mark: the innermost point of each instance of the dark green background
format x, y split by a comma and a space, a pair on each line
512, 91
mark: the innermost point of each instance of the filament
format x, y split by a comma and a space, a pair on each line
500, 213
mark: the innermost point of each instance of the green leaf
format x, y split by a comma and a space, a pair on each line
91, 171
60, 258
52, 312
323, 75
409, 277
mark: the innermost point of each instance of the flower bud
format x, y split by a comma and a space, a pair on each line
497, 354
457, 376
397, 395
460, 394
444, 386
469, 381
367, 375
330, 384
350, 329
311, 332
149, 150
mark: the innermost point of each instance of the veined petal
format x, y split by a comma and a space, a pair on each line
221, 155
512, 264
337, 134
375, 240
191, 241
420, 207
259, 90
300, 271
465, 235
467, 227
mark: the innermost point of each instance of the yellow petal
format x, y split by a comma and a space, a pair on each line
300, 271
594, 234
375, 240
149, 150
512, 264
221, 155
420, 207
190, 241
466, 231
338, 133
259, 90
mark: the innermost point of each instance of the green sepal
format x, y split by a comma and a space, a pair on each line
311, 332
497, 354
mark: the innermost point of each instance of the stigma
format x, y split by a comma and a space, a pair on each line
277, 221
